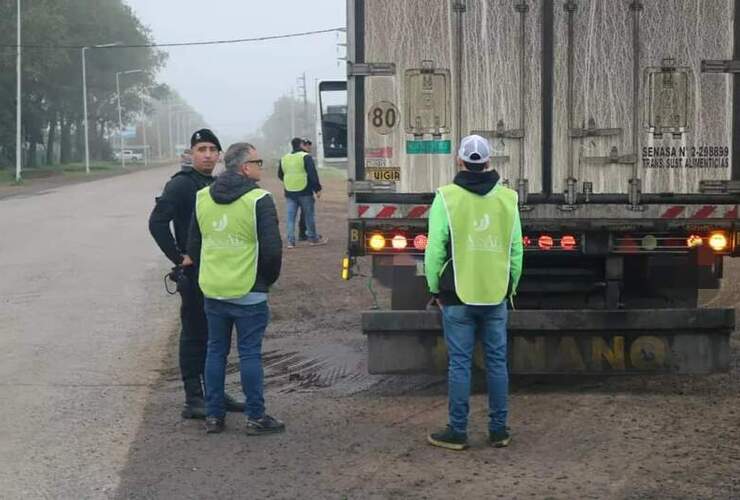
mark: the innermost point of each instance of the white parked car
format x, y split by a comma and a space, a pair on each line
129, 155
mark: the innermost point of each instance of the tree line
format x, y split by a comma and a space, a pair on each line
52, 107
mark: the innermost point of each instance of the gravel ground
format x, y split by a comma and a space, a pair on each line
92, 394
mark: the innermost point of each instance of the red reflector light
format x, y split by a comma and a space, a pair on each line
420, 242
568, 242
545, 242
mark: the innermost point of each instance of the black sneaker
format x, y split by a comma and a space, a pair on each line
194, 408
449, 439
231, 405
215, 425
264, 425
499, 439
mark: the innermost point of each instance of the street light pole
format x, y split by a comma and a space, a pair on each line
120, 119
18, 144
120, 115
84, 102
143, 130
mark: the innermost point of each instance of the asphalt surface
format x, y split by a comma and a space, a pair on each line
83, 326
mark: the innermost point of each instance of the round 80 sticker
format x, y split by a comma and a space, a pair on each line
383, 117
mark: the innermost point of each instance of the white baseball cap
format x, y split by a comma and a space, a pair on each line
474, 149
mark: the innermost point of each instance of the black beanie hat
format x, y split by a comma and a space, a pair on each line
205, 135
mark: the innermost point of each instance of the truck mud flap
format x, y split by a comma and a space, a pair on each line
564, 342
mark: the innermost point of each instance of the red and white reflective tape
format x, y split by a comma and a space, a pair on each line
703, 212
385, 211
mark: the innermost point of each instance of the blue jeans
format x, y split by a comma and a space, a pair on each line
307, 207
461, 322
251, 322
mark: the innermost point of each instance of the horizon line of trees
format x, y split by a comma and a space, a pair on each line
51, 100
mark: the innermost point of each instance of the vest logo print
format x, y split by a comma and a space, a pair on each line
482, 224
221, 224
484, 243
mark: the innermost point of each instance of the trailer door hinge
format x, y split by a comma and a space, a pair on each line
370, 69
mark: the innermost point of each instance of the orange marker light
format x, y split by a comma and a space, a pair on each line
694, 241
377, 242
718, 242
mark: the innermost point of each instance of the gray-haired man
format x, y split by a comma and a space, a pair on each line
235, 240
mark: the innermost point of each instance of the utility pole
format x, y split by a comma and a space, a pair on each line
159, 132
292, 114
302, 88
341, 46
143, 131
18, 143
169, 128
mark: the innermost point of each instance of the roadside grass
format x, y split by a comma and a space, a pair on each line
70, 170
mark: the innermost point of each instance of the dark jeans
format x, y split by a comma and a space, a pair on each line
251, 322
306, 204
461, 324
194, 332
302, 226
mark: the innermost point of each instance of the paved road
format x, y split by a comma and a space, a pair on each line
84, 323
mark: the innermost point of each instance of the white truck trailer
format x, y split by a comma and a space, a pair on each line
618, 124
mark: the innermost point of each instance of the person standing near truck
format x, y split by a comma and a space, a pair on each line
176, 206
235, 239
298, 173
473, 263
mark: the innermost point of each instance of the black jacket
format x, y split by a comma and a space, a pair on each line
228, 188
478, 183
176, 205
313, 186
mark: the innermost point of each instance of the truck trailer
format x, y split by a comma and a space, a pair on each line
617, 122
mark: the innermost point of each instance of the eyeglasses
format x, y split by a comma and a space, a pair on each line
256, 162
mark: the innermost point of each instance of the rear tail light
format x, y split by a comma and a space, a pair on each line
545, 242
694, 241
420, 242
568, 242
527, 241
377, 242
718, 242
399, 242
395, 241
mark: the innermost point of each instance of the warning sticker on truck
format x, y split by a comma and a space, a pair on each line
383, 173
669, 157
386, 152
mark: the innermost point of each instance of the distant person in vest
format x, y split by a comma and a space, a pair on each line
235, 240
176, 206
301, 182
306, 146
473, 262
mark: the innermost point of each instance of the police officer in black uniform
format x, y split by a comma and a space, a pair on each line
176, 206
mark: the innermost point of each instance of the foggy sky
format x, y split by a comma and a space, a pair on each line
234, 86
